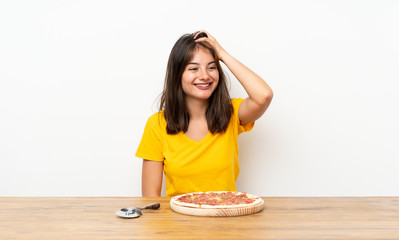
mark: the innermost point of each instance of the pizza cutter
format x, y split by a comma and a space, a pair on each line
134, 212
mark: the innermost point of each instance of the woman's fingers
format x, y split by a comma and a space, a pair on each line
210, 40
196, 34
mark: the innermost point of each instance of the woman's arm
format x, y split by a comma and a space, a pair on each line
151, 181
259, 93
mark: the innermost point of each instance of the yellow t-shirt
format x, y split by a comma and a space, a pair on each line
210, 164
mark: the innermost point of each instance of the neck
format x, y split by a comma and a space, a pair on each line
196, 108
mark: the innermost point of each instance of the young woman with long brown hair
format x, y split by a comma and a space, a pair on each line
193, 138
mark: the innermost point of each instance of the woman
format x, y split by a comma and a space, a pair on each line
193, 138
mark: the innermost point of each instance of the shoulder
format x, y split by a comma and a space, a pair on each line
157, 120
236, 102
157, 116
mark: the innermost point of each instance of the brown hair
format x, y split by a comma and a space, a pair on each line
173, 103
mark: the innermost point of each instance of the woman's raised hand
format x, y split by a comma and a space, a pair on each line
211, 40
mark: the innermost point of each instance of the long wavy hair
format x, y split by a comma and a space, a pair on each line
173, 103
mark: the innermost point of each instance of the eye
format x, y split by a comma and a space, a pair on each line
193, 69
213, 68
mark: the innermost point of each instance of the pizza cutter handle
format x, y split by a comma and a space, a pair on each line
151, 206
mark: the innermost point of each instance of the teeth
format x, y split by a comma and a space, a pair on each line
203, 85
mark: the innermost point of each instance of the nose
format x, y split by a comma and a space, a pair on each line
203, 75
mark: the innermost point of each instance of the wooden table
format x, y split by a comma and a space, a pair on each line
283, 218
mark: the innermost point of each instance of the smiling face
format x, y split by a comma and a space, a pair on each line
201, 76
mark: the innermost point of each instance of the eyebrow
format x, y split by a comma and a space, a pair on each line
198, 63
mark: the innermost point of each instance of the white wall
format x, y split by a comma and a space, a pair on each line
78, 80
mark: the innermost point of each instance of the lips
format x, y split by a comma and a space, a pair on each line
203, 86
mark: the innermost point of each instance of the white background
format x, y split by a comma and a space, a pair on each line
78, 80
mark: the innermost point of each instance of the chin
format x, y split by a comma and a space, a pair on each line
205, 97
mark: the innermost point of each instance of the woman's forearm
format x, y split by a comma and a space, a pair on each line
257, 89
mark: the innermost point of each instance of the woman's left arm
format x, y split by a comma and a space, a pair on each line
259, 93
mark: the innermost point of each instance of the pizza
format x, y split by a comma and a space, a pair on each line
216, 200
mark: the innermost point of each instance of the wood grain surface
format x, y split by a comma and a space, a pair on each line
282, 218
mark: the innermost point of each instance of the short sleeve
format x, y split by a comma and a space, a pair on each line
151, 144
241, 128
